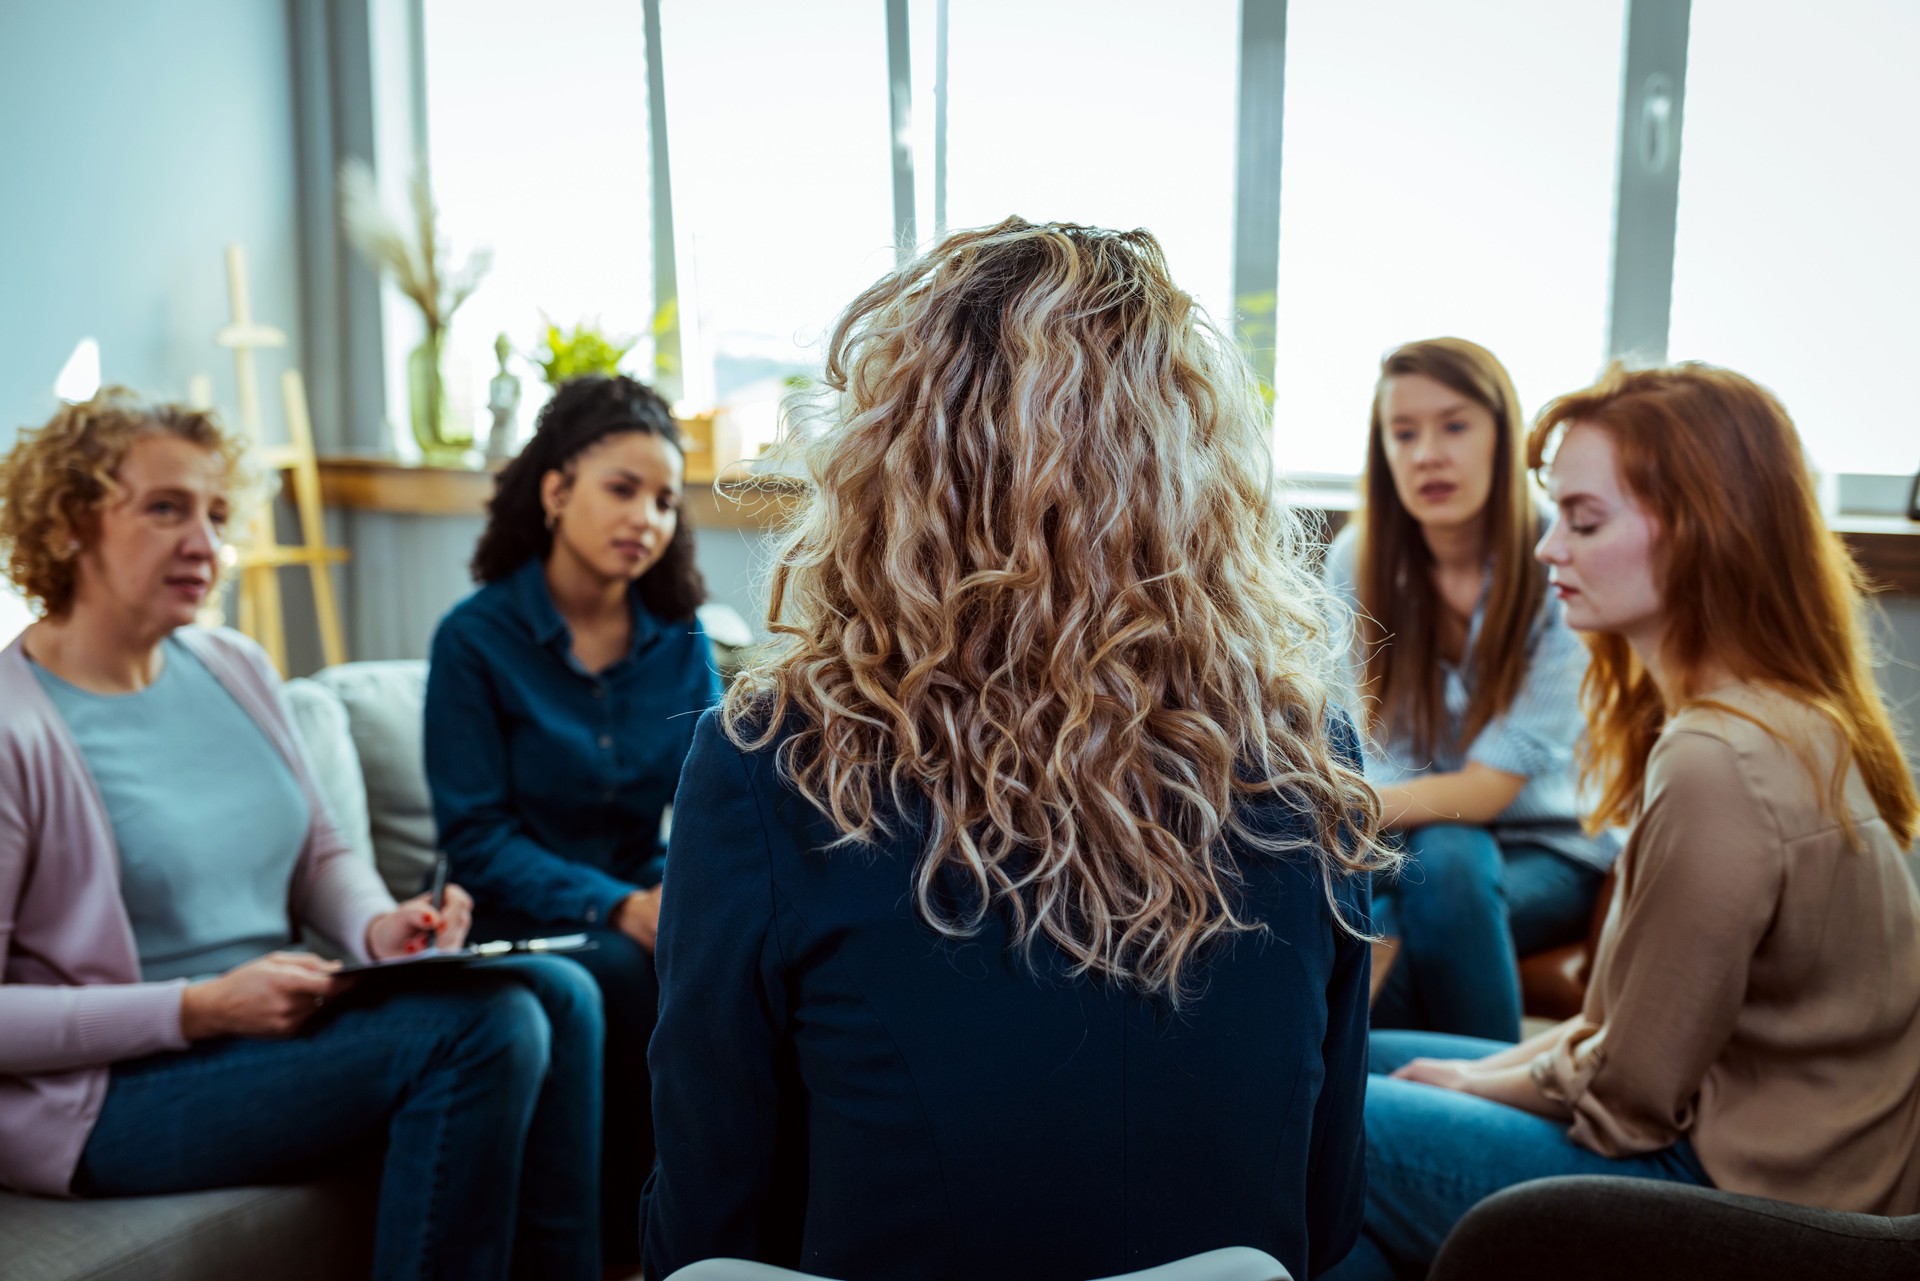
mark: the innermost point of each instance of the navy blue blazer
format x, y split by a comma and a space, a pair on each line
837, 1089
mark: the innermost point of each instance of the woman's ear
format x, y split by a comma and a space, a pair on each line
83, 530
553, 495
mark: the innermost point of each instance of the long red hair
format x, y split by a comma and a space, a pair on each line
1753, 580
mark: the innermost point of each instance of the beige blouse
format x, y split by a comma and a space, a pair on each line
1757, 985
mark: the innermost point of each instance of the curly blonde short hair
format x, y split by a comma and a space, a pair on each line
58, 475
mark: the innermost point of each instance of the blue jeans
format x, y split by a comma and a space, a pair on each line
1465, 910
630, 999
1434, 1154
483, 1086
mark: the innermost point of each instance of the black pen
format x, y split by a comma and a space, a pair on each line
436, 900
438, 897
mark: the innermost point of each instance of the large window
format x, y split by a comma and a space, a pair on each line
1797, 258
537, 126
1447, 169
782, 200
1116, 113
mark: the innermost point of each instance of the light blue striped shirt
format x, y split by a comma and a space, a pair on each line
1535, 738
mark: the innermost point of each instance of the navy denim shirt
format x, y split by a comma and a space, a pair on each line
548, 781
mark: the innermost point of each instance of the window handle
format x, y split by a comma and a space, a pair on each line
1656, 122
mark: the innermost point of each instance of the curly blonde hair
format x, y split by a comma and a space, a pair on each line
1044, 593
57, 475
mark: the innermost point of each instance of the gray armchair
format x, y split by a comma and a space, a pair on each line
1588, 1228
320, 1231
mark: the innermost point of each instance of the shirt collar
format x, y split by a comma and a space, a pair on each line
536, 606
535, 602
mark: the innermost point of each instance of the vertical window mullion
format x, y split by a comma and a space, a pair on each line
900, 117
1647, 193
668, 368
1256, 205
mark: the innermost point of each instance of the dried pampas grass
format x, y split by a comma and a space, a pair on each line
417, 261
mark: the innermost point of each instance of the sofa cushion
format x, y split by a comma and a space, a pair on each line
309, 1232
385, 704
321, 719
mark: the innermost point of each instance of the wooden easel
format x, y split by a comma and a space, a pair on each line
263, 556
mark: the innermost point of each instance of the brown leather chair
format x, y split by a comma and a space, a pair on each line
1553, 984
1606, 1228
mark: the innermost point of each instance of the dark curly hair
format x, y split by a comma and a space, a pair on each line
582, 413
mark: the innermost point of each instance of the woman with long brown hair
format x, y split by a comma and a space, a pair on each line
1469, 678
1018, 883
1753, 1021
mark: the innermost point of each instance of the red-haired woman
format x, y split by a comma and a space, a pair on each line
1470, 680
1753, 1022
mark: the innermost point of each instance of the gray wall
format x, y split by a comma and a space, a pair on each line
137, 139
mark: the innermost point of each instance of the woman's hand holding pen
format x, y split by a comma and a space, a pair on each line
415, 925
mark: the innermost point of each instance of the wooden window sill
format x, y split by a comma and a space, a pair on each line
1887, 547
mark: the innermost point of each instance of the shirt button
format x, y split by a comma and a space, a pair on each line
599, 691
606, 740
607, 795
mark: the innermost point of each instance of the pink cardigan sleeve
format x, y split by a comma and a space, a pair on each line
55, 1028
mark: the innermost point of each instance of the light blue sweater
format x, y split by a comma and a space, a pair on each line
208, 818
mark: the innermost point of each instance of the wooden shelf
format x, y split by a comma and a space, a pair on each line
387, 485
361, 482
1887, 547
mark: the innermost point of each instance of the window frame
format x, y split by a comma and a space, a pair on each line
1646, 187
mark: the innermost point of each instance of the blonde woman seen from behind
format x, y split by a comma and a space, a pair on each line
1007, 917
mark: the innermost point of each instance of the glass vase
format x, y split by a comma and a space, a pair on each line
443, 440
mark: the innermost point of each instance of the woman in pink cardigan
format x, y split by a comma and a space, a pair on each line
162, 844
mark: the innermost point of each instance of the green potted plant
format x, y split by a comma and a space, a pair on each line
564, 354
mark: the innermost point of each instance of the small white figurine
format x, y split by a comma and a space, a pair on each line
503, 399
